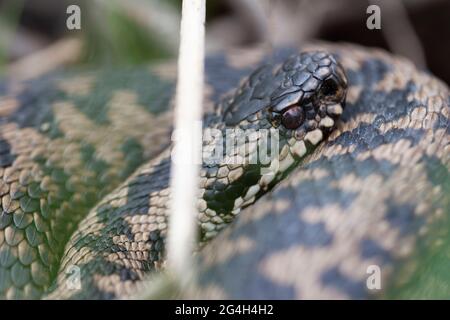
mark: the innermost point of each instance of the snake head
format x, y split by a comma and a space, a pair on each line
277, 117
302, 98
309, 98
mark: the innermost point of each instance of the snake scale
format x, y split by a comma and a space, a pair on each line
85, 167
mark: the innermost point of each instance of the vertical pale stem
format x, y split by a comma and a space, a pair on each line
186, 156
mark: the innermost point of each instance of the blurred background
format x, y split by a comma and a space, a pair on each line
34, 37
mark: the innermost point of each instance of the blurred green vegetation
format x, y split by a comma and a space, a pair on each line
116, 39
110, 37
10, 11
427, 275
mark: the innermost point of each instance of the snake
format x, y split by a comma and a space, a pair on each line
359, 178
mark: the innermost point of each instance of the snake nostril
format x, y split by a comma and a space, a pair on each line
329, 88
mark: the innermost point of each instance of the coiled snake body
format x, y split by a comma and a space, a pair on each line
86, 161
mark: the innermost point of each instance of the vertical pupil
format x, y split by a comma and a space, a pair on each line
292, 118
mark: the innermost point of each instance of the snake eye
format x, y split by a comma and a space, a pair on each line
293, 117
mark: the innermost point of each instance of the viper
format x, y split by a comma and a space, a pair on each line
358, 179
